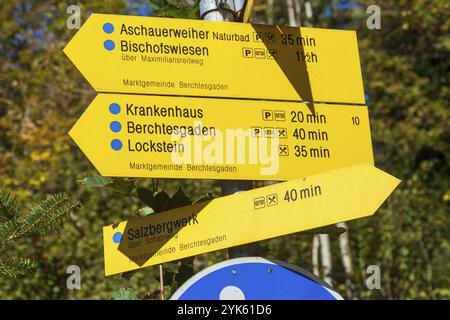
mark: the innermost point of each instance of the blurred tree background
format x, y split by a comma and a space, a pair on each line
406, 73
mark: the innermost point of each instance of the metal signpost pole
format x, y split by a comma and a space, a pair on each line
227, 10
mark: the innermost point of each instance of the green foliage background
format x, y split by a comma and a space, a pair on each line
406, 72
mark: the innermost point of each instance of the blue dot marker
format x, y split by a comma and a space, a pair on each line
108, 27
117, 237
115, 126
114, 108
109, 45
116, 144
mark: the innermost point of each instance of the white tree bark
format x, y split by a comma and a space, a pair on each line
345, 249
298, 11
325, 254
344, 246
291, 13
270, 12
308, 10
315, 255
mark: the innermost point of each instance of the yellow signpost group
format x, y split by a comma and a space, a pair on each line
207, 100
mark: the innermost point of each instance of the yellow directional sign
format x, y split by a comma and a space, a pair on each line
130, 54
205, 138
319, 200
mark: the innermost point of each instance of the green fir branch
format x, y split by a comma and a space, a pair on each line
43, 218
47, 216
8, 231
16, 266
10, 208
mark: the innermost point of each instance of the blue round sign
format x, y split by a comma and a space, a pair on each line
255, 278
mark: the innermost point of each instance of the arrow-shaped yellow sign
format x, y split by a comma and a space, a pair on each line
293, 206
205, 138
130, 54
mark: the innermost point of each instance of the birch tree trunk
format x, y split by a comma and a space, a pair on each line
270, 12
315, 255
291, 13
325, 255
344, 246
308, 13
298, 11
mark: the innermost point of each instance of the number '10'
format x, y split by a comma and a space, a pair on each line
355, 121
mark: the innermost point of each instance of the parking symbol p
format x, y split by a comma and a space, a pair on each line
258, 36
247, 52
256, 131
267, 115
